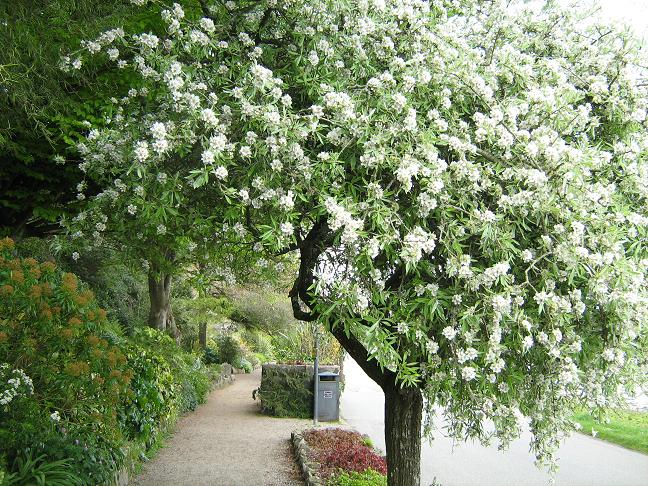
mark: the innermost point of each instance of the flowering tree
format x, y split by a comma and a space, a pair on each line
464, 182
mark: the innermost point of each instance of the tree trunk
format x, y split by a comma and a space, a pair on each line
160, 314
202, 335
403, 414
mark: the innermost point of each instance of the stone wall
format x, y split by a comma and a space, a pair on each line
287, 390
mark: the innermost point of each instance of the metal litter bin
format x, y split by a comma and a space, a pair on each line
329, 397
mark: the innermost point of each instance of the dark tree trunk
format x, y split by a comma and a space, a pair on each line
202, 335
403, 406
403, 414
160, 314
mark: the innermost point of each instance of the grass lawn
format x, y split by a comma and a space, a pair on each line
626, 428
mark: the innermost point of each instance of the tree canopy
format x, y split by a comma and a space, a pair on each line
464, 182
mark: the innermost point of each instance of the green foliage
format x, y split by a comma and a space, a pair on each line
297, 344
120, 289
244, 365
53, 329
262, 310
189, 313
259, 342
210, 356
366, 478
38, 471
84, 389
626, 428
228, 349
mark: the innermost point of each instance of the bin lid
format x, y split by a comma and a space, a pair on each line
327, 373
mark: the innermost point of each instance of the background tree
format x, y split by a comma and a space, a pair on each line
464, 183
43, 107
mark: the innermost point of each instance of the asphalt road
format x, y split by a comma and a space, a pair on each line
584, 461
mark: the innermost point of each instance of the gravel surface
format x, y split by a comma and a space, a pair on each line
227, 442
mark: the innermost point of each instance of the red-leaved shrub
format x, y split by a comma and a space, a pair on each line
338, 449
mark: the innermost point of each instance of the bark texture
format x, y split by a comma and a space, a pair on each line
403, 406
403, 414
160, 314
202, 335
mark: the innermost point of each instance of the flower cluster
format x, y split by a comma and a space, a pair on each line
16, 384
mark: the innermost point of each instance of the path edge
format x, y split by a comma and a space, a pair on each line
122, 476
308, 468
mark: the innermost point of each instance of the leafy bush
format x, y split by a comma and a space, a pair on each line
191, 312
366, 478
262, 310
38, 471
244, 365
120, 289
73, 388
258, 341
336, 449
297, 345
229, 349
210, 355
52, 328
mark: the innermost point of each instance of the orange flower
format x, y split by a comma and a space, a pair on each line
77, 368
35, 291
3, 337
90, 315
30, 262
93, 340
97, 353
45, 311
47, 288
84, 297
15, 264
98, 380
6, 244
6, 289
69, 282
102, 314
116, 374
67, 333
74, 321
48, 266
18, 276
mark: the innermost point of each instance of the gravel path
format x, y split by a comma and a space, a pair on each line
227, 442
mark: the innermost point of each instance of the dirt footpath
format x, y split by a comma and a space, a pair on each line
227, 442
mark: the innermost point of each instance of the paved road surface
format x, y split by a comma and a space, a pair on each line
584, 461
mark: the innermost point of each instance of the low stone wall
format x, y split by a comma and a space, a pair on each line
287, 390
226, 377
308, 468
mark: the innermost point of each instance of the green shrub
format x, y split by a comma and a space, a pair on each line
52, 328
41, 472
210, 355
229, 349
244, 365
191, 312
366, 478
297, 345
257, 341
79, 388
120, 289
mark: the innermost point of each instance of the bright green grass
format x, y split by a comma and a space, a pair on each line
626, 428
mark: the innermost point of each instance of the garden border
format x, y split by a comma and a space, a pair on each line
308, 468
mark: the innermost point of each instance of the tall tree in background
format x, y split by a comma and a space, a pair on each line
465, 184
